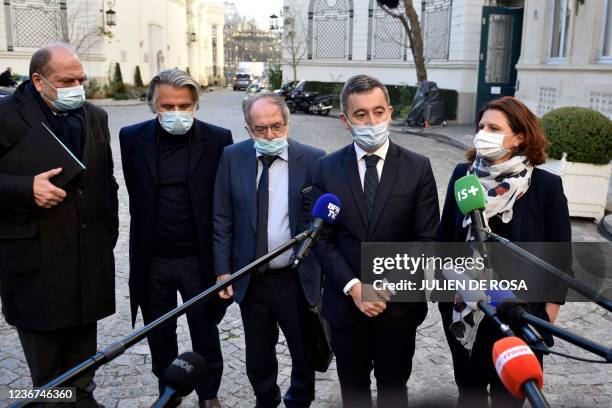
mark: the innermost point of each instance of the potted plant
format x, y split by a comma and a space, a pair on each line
580, 151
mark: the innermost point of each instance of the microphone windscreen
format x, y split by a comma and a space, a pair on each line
498, 296
516, 364
469, 194
327, 208
389, 3
510, 311
185, 372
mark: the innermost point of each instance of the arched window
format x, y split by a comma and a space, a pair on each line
387, 38
330, 30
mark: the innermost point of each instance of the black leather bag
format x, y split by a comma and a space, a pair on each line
318, 347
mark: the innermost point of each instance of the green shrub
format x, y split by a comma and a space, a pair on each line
276, 76
401, 96
138, 77
93, 89
584, 134
117, 85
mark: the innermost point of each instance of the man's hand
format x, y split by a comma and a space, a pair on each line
46, 194
370, 309
228, 292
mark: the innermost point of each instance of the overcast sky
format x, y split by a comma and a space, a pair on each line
260, 10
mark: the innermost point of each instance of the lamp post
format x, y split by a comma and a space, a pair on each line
273, 22
111, 15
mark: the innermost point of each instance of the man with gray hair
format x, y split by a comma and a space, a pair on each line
262, 199
169, 164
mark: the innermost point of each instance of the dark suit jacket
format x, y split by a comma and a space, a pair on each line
542, 211
540, 215
57, 265
235, 212
406, 209
139, 158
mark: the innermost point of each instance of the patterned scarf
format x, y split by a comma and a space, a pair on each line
504, 183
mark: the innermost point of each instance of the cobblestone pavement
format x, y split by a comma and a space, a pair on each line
128, 382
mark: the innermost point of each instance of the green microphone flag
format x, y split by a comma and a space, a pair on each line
469, 194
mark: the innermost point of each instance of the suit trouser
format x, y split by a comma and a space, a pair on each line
374, 344
185, 275
475, 372
272, 300
52, 353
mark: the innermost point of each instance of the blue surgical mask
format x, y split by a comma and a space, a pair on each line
272, 147
371, 137
67, 98
176, 122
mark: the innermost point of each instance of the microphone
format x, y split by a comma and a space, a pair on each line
509, 309
519, 369
471, 200
180, 378
325, 211
476, 299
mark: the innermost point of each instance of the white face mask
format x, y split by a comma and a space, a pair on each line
67, 98
370, 137
176, 122
489, 145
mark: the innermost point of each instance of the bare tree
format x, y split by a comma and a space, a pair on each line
410, 20
293, 39
85, 25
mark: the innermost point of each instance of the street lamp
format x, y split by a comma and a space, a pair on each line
273, 22
110, 17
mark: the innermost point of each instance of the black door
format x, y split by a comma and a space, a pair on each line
500, 47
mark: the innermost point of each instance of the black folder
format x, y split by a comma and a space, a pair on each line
38, 152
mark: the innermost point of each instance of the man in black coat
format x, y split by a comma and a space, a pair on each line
170, 164
56, 244
6, 78
388, 194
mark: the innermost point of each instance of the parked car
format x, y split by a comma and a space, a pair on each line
6, 91
242, 81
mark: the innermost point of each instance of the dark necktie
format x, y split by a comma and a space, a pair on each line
370, 184
262, 209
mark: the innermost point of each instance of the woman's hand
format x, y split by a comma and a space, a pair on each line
552, 309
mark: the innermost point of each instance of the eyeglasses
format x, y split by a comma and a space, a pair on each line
276, 128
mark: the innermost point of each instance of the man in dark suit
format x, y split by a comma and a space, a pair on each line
388, 194
169, 164
57, 270
262, 199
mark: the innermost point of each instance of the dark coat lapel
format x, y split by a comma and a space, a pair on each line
247, 169
149, 147
389, 175
352, 175
198, 145
297, 170
29, 109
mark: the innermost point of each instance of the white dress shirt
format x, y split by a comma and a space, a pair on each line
381, 152
279, 231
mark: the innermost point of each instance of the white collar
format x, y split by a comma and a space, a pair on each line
381, 152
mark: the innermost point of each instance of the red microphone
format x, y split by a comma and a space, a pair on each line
516, 365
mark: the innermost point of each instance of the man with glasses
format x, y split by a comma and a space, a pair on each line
262, 199
169, 164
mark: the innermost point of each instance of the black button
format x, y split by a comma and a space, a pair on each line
83, 226
79, 192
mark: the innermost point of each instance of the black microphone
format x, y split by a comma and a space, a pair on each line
325, 211
508, 305
180, 378
476, 299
